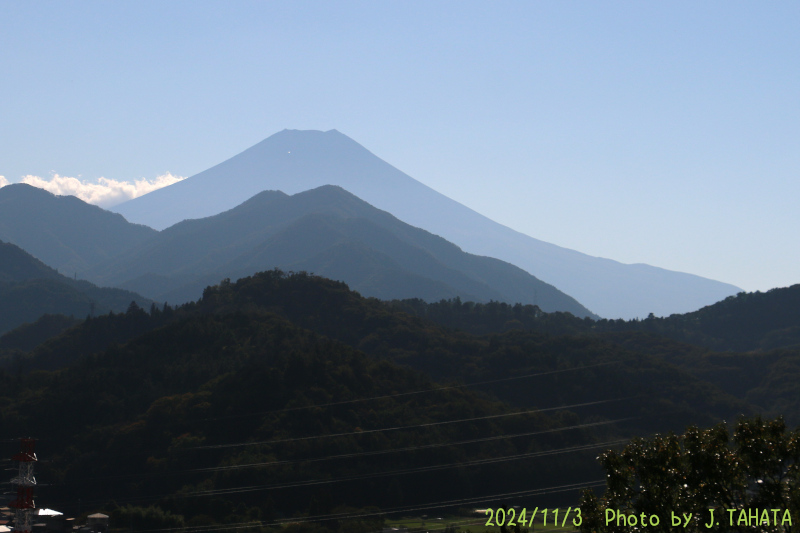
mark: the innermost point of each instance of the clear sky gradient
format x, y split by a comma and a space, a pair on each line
665, 133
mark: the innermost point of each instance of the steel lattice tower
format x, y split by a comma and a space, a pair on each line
25, 482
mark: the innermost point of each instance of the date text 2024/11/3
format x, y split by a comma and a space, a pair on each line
502, 517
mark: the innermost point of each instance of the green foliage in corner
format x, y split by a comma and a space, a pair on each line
684, 477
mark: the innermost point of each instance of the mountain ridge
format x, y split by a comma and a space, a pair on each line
296, 160
63, 231
273, 229
30, 289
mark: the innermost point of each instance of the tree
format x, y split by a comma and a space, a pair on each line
743, 479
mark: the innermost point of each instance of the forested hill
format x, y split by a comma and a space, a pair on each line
30, 289
275, 396
244, 416
747, 346
747, 321
329, 308
431, 342
28, 336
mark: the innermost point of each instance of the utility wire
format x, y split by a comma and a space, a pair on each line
356, 454
142, 452
398, 428
409, 448
400, 394
392, 510
493, 460
478, 462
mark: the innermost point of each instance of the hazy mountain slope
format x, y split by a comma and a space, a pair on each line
30, 289
63, 231
293, 161
330, 232
18, 265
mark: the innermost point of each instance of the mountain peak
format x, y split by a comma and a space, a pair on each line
23, 190
316, 142
293, 161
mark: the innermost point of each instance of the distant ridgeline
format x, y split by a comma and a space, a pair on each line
326, 230
747, 321
342, 213
294, 161
748, 345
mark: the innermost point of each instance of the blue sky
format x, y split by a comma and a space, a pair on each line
665, 133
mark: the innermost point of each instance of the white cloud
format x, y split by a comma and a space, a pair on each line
3, 181
103, 192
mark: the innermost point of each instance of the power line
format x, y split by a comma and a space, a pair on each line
359, 454
392, 510
235, 490
254, 488
410, 448
398, 428
400, 394
141, 452
477, 462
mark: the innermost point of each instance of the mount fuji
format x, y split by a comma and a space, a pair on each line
293, 161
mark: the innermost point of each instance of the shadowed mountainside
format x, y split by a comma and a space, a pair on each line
328, 231
584, 368
332, 233
262, 379
30, 289
64, 232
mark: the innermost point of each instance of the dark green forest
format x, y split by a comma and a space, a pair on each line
745, 322
288, 398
